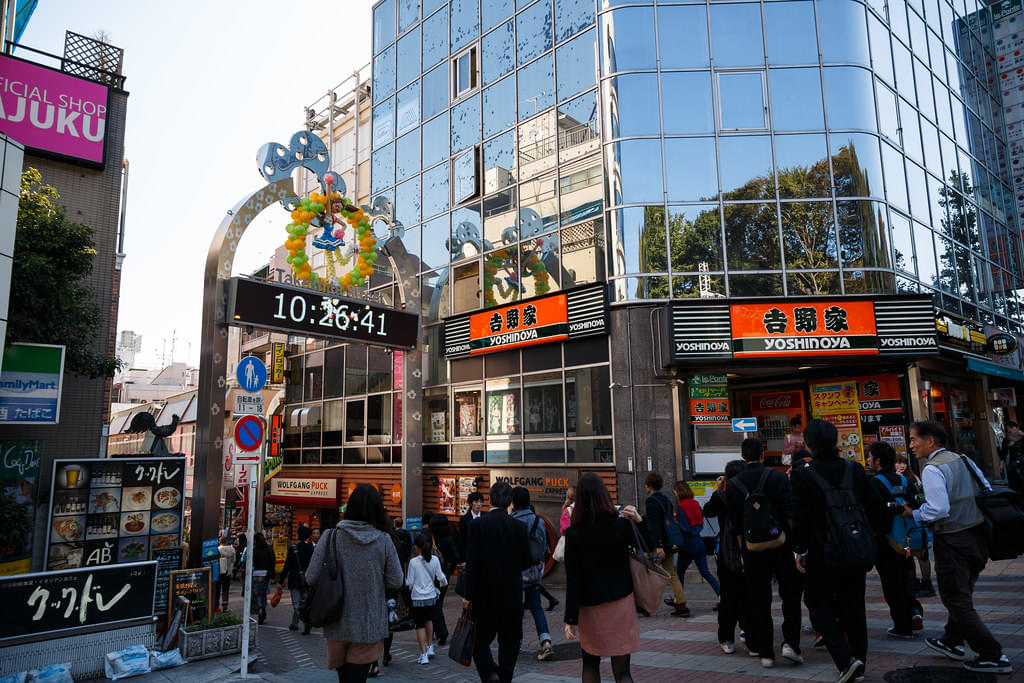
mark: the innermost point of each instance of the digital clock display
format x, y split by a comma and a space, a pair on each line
318, 314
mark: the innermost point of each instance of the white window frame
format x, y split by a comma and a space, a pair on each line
472, 52
764, 99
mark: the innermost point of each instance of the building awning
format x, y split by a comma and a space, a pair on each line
995, 369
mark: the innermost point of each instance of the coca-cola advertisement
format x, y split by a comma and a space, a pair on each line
773, 412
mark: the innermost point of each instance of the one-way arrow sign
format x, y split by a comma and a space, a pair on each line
744, 424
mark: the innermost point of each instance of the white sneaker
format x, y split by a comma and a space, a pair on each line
789, 653
430, 651
423, 659
728, 647
767, 663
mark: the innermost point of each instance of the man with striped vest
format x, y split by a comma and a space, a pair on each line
961, 546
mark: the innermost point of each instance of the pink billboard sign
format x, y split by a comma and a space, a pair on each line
52, 111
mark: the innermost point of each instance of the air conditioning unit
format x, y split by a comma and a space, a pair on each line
496, 178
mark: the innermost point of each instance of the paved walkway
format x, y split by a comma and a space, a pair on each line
672, 649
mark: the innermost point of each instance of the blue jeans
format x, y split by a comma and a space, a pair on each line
532, 595
298, 596
693, 551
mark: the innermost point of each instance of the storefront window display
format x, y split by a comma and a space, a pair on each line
503, 407
468, 422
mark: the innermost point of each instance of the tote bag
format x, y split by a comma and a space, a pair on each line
328, 593
463, 640
649, 578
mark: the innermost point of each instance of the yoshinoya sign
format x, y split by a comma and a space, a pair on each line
573, 314
800, 328
320, 489
543, 485
52, 112
50, 602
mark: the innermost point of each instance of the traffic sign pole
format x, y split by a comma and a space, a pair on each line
247, 603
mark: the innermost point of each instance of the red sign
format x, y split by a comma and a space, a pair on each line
777, 402
823, 328
249, 434
710, 411
538, 321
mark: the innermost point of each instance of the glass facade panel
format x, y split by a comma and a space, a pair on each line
533, 32
435, 192
736, 34
690, 169
499, 107
383, 25
536, 86
383, 168
641, 240
494, 11
407, 110
407, 155
436, 138
435, 91
634, 94
845, 35
498, 57
790, 32
809, 235
636, 165
856, 165
746, 166
384, 74
628, 54
796, 99
741, 98
383, 123
465, 124
695, 238
683, 37
465, 20
863, 234
435, 39
571, 17
407, 202
803, 166
751, 237
686, 102
850, 98
408, 66
499, 162
576, 66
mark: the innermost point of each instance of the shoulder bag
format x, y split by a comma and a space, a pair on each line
559, 553
1002, 509
463, 640
649, 578
327, 595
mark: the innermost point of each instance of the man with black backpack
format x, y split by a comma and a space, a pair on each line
834, 547
537, 535
895, 537
961, 545
760, 502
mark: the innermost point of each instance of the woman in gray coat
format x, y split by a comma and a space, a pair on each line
369, 566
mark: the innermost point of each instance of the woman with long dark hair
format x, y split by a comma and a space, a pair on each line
263, 562
599, 605
365, 552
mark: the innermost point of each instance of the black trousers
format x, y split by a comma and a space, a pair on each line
894, 570
507, 625
440, 627
835, 603
730, 604
758, 570
959, 558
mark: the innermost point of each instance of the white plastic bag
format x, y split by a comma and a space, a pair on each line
165, 660
54, 673
131, 661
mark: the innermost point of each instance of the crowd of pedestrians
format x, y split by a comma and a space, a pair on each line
812, 533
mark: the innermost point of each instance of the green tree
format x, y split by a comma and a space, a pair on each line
49, 303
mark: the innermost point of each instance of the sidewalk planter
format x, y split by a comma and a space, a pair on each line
216, 641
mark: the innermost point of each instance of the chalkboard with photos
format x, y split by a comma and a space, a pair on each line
108, 511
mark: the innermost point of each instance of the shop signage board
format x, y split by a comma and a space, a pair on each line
829, 327
167, 560
54, 113
58, 601
197, 586
709, 403
277, 363
312, 313
544, 485
573, 314
1005, 397
31, 379
446, 494
110, 511
960, 334
19, 478
295, 491
837, 402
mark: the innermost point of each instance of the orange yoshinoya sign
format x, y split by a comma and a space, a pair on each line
823, 328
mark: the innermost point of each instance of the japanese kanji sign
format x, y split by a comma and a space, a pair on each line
557, 317
804, 329
709, 402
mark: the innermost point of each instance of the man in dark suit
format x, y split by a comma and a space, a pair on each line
475, 501
497, 552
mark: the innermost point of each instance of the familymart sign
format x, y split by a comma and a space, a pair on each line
30, 384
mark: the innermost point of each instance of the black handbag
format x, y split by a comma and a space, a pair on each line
463, 640
327, 595
1003, 511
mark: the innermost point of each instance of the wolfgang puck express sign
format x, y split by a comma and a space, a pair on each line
53, 112
573, 314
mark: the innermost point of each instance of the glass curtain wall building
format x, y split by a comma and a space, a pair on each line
783, 150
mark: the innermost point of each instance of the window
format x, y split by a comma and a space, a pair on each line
465, 72
465, 175
741, 100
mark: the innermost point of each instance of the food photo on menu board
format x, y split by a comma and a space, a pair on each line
114, 511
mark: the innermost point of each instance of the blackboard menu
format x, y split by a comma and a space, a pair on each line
56, 601
105, 511
195, 585
167, 560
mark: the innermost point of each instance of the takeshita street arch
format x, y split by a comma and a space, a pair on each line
276, 164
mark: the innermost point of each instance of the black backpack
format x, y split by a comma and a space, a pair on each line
761, 528
849, 540
1002, 509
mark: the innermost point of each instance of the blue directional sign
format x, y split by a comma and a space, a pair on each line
251, 374
744, 424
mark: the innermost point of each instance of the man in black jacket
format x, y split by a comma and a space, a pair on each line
295, 565
497, 552
895, 567
835, 598
658, 508
475, 501
760, 566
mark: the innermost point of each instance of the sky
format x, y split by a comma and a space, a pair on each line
209, 83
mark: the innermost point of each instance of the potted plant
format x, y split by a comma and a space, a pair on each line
15, 524
221, 635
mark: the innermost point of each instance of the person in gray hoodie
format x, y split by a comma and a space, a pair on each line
369, 566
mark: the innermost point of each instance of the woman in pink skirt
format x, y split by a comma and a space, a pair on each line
599, 606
